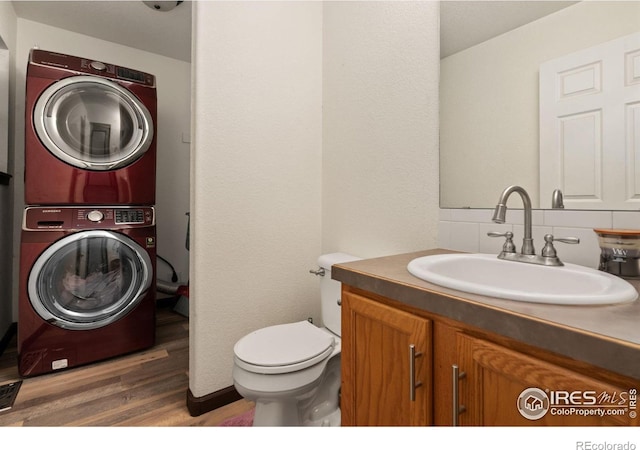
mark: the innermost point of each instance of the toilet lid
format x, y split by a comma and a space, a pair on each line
295, 345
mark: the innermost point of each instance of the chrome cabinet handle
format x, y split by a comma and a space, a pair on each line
413, 384
457, 408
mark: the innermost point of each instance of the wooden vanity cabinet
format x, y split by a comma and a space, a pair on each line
492, 372
493, 379
386, 365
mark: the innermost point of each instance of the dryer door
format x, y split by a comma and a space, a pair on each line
92, 123
89, 279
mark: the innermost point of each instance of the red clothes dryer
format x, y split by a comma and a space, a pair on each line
89, 132
87, 285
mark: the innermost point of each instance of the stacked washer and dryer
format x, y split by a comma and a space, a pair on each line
87, 263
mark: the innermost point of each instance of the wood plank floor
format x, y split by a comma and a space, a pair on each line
147, 388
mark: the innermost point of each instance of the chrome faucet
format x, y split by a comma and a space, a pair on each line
499, 216
557, 199
527, 254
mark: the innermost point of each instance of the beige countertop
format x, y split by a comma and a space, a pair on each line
606, 336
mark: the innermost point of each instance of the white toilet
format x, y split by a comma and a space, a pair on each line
292, 371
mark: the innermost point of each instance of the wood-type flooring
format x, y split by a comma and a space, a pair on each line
147, 388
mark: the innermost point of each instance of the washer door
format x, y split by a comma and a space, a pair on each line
89, 279
92, 123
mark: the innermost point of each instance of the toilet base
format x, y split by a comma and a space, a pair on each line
285, 414
276, 414
332, 420
319, 406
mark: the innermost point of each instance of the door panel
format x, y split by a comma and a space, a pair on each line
376, 358
589, 126
504, 388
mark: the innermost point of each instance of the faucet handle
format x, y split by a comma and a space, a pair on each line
509, 246
549, 250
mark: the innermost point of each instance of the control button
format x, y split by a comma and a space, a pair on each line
97, 65
95, 216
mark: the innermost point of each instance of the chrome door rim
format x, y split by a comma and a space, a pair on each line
115, 312
56, 145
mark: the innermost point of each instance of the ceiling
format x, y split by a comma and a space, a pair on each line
168, 33
130, 23
464, 24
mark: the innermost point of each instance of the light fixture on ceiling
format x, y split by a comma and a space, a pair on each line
162, 5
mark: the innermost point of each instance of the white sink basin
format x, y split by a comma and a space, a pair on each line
487, 275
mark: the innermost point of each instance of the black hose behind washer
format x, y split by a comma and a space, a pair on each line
174, 277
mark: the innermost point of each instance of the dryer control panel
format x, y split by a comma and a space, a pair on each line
90, 67
87, 218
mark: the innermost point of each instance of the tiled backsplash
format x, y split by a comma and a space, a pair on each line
466, 230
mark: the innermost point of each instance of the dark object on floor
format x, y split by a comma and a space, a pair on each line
8, 394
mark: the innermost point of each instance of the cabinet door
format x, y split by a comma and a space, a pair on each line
384, 381
504, 387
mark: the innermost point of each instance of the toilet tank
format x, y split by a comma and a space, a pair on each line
330, 291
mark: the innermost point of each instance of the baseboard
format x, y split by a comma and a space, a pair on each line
200, 405
6, 339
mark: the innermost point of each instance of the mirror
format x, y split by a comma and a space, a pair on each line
489, 89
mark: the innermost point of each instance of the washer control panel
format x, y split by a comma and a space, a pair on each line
86, 218
129, 216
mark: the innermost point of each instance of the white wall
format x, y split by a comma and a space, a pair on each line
380, 130
173, 81
256, 175
489, 100
315, 130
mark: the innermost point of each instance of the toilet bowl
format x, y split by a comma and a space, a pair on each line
289, 386
292, 371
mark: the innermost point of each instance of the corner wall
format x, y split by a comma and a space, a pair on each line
315, 128
380, 129
256, 174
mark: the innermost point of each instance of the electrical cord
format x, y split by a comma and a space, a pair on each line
174, 276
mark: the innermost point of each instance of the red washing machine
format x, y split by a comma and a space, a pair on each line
87, 285
90, 132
